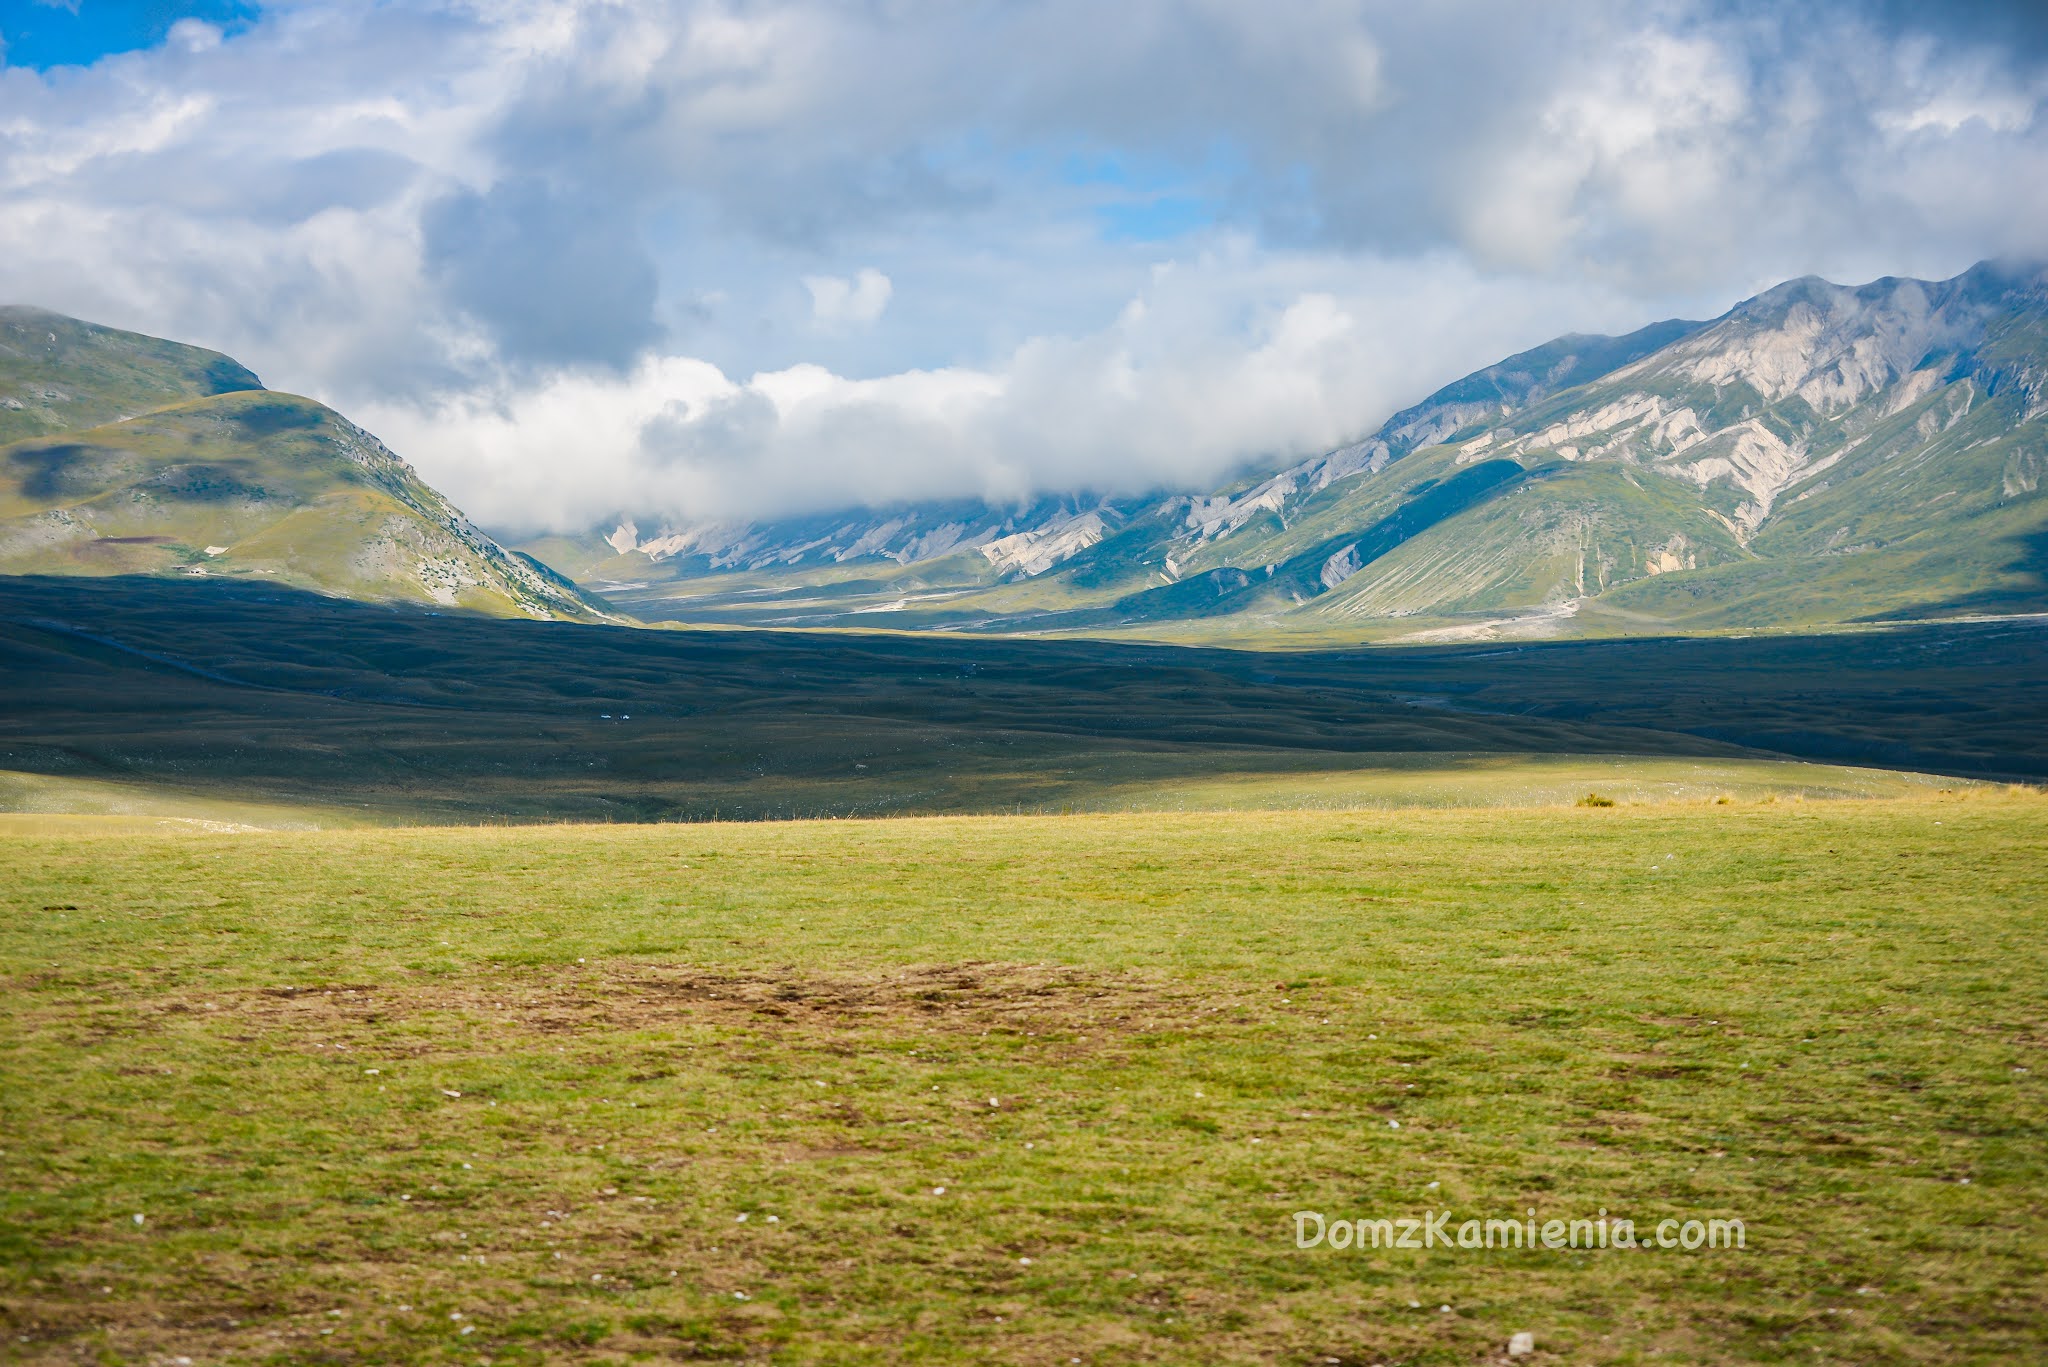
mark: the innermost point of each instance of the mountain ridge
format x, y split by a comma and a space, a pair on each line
1604, 462
1817, 455
1027, 539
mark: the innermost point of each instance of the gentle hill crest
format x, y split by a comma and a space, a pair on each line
147, 457
58, 374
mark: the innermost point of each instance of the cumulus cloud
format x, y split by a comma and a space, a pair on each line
195, 35
699, 257
1177, 392
835, 299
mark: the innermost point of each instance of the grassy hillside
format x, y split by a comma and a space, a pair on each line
1802, 461
926, 562
262, 485
125, 454
1936, 510
1819, 455
1030, 1090
58, 374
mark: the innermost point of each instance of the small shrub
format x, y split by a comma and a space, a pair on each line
1595, 800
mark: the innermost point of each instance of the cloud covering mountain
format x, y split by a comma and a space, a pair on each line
750, 259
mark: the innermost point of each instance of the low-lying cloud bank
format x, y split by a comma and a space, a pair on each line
1171, 395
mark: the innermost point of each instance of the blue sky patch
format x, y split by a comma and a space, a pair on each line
41, 34
1145, 199
1154, 218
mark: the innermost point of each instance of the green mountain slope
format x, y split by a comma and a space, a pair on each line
1063, 562
1817, 455
58, 374
215, 475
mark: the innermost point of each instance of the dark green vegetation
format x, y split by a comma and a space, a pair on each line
1029, 1090
130, 455
265, 694
1817, 456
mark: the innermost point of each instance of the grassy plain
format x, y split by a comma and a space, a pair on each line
504, 1095
120, 693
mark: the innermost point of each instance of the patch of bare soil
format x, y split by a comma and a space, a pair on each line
1058, 1004
571, 1223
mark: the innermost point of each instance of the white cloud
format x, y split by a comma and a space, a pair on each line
1221, 358
1644, 138
195, 35
1948, 113
836, 300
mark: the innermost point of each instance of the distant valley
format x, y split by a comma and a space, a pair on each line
1817, 456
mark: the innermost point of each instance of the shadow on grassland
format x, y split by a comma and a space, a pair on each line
265, 693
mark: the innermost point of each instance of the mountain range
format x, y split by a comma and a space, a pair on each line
1818, 454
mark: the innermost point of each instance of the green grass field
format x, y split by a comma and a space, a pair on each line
504, 1095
